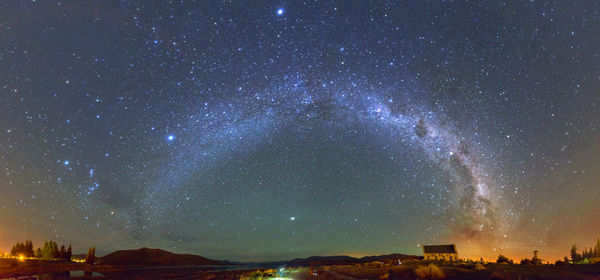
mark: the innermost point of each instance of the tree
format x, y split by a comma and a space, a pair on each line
575, 257
38, 253
24, 249
16, 249
28, 249
62, 254
535, 260
525, 261
90, 257
54, 249
502, 259
50, 250
69, 252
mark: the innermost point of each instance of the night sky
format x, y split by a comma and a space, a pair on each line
258, 131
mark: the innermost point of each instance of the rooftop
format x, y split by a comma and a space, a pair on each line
451, 249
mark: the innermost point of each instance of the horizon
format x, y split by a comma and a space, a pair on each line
281, 128
256, 259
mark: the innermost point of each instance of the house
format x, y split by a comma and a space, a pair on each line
440, 252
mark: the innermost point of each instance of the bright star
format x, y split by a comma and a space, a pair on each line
280, 11
170, 137
66, 162
292, 218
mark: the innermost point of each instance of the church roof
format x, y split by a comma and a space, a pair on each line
442, 249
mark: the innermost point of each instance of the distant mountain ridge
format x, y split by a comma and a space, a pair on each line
333, 260
159, 257
148, 256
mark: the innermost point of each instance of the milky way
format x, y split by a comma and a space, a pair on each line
293, 105
275, 130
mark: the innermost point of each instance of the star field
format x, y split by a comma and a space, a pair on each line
275, 130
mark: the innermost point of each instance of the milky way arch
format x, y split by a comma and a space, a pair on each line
237, 123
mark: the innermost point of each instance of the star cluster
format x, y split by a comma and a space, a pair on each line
274, 130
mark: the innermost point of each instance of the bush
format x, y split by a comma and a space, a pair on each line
536, 261
502, 259
431, 271
560, 262
526, 261
479, 267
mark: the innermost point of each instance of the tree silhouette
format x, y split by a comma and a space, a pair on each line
502, 259
24, 249
50, 250
575, 257
90, 257
62, 254
535, 260
28, 249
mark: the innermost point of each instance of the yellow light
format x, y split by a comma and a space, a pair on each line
21, 258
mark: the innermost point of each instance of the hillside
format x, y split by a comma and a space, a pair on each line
339, 260
147, 256
389, 257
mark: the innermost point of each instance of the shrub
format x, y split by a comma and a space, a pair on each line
502, 259
479, 267
560, 262
526, 261
431, 271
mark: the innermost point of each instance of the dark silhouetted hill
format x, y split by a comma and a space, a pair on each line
390, 257
341, 260
147, 256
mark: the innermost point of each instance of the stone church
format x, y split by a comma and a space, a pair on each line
440, 252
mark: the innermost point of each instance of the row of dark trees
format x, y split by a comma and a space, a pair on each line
24, 249
50, 250
585, 257
533, 261
593, 252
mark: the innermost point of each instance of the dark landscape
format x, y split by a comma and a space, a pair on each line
147, 263
408, 270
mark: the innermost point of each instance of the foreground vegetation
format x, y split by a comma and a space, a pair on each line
49, 259
375, 270
49, 251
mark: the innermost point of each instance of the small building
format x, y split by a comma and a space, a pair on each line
440, 252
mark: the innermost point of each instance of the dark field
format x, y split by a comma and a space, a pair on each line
490, 271
31, 269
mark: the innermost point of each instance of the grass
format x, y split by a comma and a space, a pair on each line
430, 271
10, 268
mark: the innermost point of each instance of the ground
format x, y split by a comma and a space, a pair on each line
14, 268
